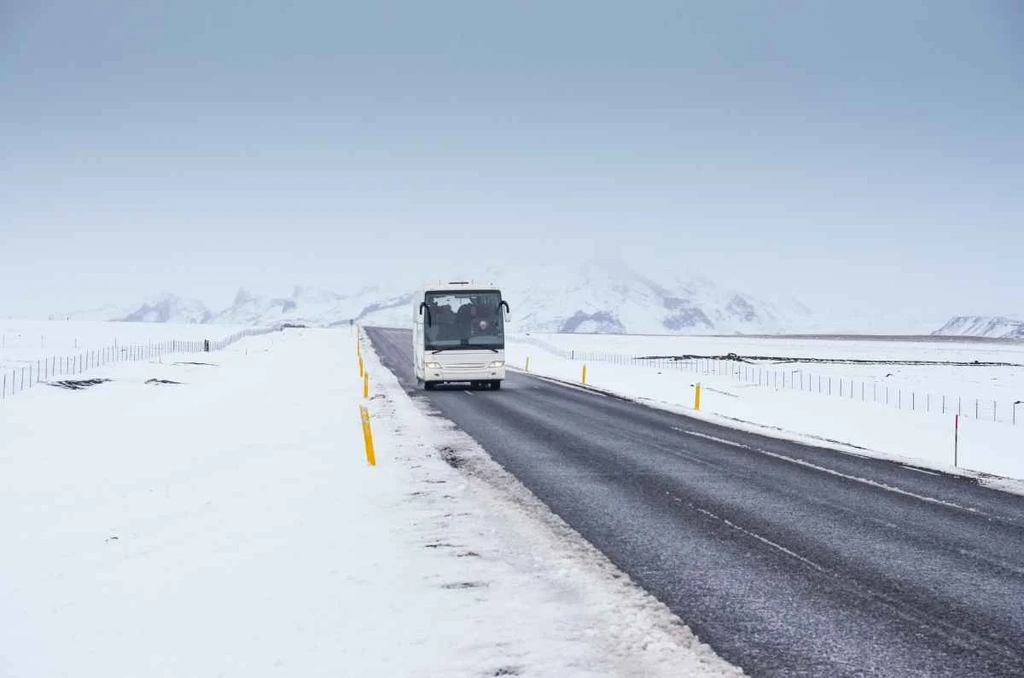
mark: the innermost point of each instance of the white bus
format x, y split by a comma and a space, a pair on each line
459, 334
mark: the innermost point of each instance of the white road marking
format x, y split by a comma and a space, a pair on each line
858, 479
559, 382
763, 540
920, 470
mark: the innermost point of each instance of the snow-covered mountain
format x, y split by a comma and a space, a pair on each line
596, 297
170, 308
599, 296
982, 326
607, 296
311, 306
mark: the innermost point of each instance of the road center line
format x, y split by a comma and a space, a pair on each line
761, 539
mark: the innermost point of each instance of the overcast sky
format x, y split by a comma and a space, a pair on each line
848, 154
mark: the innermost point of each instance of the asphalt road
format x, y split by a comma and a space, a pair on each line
786, 559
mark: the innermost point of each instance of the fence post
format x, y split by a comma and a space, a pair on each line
956, 441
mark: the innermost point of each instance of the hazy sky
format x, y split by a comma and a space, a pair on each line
848, 154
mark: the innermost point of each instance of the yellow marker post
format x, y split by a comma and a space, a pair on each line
364, 414
361, 370
366, 385
583, 377
527, 363
696, 397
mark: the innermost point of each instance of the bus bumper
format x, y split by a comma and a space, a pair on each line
450, 374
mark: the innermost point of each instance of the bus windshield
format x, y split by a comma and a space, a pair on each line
463, 320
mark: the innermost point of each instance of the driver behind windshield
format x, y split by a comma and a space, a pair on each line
475, 318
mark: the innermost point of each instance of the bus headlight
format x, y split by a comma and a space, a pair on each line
497, 363
434, 366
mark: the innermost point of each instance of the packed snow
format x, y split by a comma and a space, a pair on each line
865, 409
27, 341
219, 518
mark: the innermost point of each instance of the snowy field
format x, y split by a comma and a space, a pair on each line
988, 391
860, 409
228, 524
27, 341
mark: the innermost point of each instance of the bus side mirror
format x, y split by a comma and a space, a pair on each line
505, 304
424, 307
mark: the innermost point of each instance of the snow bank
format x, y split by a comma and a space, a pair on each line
220, 519
982, 391
927, 439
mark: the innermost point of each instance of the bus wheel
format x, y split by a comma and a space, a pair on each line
496, 384
429, 385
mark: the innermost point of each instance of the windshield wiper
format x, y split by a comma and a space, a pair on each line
464, 348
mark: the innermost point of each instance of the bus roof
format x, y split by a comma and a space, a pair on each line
455, 285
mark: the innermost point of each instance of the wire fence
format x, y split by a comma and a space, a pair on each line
61, 367
803, 380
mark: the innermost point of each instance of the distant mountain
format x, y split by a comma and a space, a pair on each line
598, 296
311, 306
170, 308
607, 296
998, 327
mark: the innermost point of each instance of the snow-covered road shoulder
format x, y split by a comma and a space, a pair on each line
217, 517
553, 605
